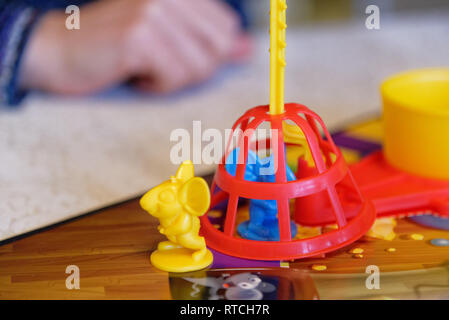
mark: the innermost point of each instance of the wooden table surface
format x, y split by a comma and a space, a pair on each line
112, 246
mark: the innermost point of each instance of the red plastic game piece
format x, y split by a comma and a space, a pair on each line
328, 185
397, 193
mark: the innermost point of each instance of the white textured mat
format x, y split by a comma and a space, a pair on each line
63, 157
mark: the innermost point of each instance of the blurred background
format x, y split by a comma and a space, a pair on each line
307, 12
62, 155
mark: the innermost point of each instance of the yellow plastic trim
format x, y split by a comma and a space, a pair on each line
416, 122
277, 55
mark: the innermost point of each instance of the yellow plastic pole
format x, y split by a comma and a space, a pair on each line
277, 55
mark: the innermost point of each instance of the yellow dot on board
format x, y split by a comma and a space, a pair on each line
390, 249
319, 267
215, 214
417, 236
358, 256
356, 250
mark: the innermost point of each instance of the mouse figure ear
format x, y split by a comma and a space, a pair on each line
195, 196
185, 171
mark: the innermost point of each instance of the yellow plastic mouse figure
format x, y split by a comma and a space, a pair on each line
178, 203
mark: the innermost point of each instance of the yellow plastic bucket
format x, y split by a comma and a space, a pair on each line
416, 120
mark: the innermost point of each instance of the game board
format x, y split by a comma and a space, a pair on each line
343, 273
111, 248
268, 194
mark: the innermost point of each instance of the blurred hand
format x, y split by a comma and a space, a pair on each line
165, 44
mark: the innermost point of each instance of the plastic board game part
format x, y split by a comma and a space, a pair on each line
416, 121
178, 203
432, 221
411, 175
328, 178
319, 267
383, 228
307, 232
263, 224
243, 284
356, 250
416, 236
370, 130
440, 242
395, 192
295, 137
278, 25
229, 189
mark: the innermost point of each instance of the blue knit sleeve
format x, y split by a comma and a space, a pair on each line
17, 19
16, 23
240, 7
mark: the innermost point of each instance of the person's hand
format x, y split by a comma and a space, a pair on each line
165, 44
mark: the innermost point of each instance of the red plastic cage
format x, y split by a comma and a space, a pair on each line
324, 193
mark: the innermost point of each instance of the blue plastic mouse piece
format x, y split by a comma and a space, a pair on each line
263, 223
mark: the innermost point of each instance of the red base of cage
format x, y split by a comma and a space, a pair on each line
289, 250
330, 169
